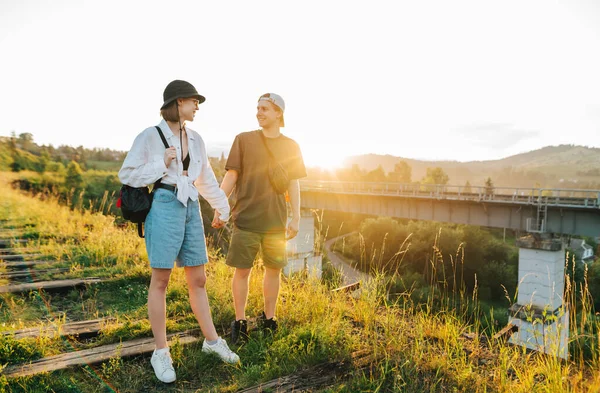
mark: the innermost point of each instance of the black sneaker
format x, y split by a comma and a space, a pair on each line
239, 331
267, 324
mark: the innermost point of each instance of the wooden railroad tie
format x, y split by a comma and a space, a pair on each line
18, 257
6, 243
94, 355
25, 264
347, 288
506, 332
24, 251
80, 329
11, 233
31, 274
49, 285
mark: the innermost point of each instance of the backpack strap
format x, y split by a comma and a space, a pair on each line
164, 141
140, 225
162, 137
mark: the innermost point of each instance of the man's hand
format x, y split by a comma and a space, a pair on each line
292, 228
217, 222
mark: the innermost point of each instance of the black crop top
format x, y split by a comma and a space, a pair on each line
186, 162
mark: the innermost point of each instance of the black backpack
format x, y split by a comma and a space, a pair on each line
135, 202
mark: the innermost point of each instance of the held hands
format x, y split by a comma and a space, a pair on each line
217, 222
292, 228
170, 155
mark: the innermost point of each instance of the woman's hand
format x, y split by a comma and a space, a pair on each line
217, 222
170, 155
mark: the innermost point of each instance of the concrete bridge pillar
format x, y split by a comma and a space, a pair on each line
540, 312
301, 252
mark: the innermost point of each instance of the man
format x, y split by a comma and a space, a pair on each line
260, 211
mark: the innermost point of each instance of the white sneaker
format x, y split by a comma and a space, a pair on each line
222, 350
163, 367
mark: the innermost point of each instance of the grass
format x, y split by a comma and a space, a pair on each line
112, 166
411, 346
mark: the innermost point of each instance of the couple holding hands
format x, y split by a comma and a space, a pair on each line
174, 231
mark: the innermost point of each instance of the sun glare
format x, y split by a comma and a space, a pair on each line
322, 158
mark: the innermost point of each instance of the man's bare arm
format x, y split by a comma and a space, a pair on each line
229, 180
294, 193
227, 185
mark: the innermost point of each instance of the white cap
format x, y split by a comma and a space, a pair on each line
278, 101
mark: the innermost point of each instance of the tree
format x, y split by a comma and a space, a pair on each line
435, 176
489, 187
382, 239
356, 173
18, 163
12, 142
74, 177
350, 174
25, 140
402, 173
467, 189
55, 166
43, 162
81, 155
376, 175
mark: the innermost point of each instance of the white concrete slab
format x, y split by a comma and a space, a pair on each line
313, 264
551, 339
541, 277
305, 240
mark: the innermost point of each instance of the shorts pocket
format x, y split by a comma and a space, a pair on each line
164, 196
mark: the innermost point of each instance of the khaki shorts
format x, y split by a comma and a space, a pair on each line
244, 247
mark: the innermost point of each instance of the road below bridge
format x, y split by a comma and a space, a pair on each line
349, 274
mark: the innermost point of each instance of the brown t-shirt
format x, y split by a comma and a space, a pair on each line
258, 208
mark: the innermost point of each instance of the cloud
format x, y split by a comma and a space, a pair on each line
497, 136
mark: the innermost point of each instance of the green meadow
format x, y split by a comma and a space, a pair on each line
373, 342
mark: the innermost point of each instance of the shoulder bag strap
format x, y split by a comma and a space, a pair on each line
264, 139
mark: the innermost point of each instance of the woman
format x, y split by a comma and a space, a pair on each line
174, 230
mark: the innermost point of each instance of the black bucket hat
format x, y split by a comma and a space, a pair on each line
180, 89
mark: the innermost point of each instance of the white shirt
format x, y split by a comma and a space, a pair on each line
145, 164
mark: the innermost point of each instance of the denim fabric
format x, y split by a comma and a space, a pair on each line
174, 232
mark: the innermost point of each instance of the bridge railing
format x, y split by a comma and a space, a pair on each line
518, 195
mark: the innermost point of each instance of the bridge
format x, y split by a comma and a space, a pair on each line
533, 210
540, 313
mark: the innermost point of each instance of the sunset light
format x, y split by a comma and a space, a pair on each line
314, 156
310, 196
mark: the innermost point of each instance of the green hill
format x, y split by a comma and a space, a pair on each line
549, 166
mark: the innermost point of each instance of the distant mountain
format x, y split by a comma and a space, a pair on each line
551, 165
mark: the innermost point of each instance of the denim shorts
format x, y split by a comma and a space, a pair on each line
174, 232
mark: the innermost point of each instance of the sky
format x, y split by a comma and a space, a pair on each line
459, 80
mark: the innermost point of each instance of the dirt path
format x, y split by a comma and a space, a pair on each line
350, 274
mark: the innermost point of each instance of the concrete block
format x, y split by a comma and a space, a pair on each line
305, 240
541, 277
548, 338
